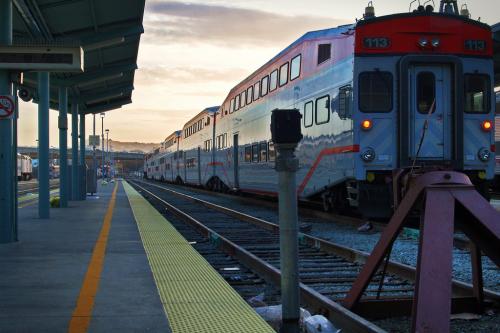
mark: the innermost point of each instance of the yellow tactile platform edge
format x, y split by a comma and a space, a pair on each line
195, 297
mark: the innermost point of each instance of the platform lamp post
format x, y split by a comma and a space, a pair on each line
108, 171
102, 149
286, 134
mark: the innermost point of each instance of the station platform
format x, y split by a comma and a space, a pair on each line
112, 263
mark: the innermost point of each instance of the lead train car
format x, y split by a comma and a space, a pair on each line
366, 93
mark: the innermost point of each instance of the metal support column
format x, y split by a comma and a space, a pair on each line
83, 167
14, 157
94, 161
43, 146
102, 149
63, 147
74, 150
108, 161
7, 178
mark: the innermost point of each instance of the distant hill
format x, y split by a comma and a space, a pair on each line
132, 147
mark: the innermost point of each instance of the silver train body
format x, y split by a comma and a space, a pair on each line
367, 101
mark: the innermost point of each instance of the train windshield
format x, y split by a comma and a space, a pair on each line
477, 93
375, 91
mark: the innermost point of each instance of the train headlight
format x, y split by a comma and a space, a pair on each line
423, 42
436, 42
368, 155
484, 154
366, 124
487, 125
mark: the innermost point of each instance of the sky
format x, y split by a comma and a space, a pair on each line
193, 53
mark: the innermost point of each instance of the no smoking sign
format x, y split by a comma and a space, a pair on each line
7, 106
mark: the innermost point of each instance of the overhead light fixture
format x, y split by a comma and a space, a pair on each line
99, 80
105, 98
104, 43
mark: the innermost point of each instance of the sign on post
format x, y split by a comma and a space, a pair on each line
7, 106
94, 140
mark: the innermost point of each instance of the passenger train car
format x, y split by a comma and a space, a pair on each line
24, 167
409, 91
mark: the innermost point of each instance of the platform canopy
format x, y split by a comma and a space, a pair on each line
108, 31
496, 41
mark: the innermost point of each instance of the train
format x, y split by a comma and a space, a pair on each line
386, 97
24, 167
496, 183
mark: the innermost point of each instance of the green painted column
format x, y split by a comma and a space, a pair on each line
14, 157
43, 146
7, 174
83, 171
63, 147
74, 151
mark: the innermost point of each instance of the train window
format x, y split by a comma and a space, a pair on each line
477, 93
249, 95
243, 99
324, 52
248, 154
283, 74
308, 114
256, 91
323, 110
264, 86
273, 81
295, 67
375, 91
255, 153
231, 106
237, 103
263, 151
271, 152
344, 102
426, 92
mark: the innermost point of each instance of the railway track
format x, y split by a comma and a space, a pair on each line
32, 187
314, 210
327, 270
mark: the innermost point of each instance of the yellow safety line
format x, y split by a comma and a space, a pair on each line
33, 196
80, 319
195, 297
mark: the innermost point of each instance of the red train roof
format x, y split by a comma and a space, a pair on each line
403, 32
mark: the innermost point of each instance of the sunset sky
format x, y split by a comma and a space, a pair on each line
192, 53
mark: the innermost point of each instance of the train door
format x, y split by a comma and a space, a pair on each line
236, 160
431, 114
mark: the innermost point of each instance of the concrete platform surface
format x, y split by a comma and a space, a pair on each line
42, 276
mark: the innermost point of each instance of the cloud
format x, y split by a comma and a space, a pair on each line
188, 75
177, 22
